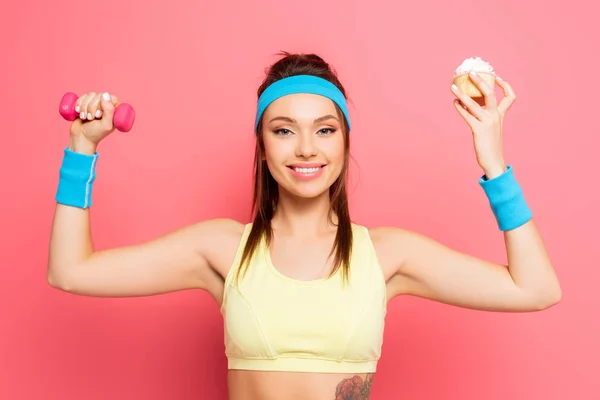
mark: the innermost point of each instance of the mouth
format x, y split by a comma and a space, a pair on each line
307, 170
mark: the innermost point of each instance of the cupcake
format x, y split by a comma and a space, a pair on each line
466, 85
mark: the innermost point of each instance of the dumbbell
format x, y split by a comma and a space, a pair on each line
122, 119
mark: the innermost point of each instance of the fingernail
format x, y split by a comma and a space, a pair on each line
498, 78
454, 87
472, 73
77, 109
89, 116
98, 113
82, 115
106, 96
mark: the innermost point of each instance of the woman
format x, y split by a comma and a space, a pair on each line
303, 290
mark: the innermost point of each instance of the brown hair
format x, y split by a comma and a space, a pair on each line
266, 192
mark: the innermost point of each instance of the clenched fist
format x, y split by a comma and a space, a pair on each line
95, 122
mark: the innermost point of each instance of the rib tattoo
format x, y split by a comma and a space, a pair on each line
354, 388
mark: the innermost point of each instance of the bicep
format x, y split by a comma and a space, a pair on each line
173, 262
429, 269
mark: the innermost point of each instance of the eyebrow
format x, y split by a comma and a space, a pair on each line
293, 121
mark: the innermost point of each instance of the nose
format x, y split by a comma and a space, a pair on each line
305, 145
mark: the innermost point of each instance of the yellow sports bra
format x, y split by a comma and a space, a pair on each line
276, 323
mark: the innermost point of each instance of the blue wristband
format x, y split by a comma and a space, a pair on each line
506, 200
77, 176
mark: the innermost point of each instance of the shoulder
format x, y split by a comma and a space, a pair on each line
211, 231
219, 226
210, 239
218, 240
392, 246
386, 238
213, 234
398, 242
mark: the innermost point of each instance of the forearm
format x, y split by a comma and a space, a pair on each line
530, 266
70, 238
528, 261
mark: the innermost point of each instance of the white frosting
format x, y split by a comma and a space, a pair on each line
474, 64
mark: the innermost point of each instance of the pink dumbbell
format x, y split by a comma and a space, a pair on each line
123, 118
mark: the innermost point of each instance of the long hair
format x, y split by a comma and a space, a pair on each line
266, 193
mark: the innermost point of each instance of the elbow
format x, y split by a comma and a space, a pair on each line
54, 281
57, 281
549, 299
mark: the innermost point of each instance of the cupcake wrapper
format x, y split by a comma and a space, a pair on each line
466, 85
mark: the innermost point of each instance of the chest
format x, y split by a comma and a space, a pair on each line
281, 316
305, 260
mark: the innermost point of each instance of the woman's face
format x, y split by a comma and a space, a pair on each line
304, 143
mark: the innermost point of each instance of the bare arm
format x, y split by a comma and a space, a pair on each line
173, 262
420, 266
192, 257
428, 269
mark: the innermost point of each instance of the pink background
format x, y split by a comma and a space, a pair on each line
191, 69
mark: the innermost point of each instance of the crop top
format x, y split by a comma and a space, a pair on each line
276, 323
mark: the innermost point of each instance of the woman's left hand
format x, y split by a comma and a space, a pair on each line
486, 123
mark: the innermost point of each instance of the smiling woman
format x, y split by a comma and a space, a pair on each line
303, 289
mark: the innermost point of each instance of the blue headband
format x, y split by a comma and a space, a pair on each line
301, 84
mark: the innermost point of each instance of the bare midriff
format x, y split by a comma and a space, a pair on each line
263, 385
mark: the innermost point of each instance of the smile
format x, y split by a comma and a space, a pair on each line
307, 171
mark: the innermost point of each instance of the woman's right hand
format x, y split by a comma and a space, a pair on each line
95, 121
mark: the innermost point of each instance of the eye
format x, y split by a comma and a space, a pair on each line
282, 132
326, 131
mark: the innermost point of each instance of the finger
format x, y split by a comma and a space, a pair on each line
84, 113
475, 109
94, 107
78, 104
115, 100
509, 96
488, 92
108, 109
470, 119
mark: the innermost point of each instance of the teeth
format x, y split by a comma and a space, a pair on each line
306, 170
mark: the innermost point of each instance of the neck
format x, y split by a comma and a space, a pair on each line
303, 217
